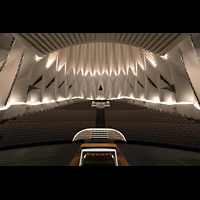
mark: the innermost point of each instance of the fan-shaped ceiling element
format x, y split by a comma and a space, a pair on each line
45, 43
97, 58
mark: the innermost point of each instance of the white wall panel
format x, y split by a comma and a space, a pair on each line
88, 65
38, 69
100, 83
131, 77
83, 89
128, 89
152, 93
141, 76
183, 88
61, 91
72, 91
60, 76
70, 78
191, 64
9, 71
92, 92
118, 89
109, 89
164, 69
20, 89
6, 43
49, 92
35, 96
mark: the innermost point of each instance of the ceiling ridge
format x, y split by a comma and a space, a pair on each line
45, 43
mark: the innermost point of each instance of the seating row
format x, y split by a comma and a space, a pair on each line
138, 124
54, 125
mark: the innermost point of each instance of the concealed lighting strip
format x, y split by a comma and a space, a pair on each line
5, 107
37, 58
51, 59
120, 97
197, 106
151, 59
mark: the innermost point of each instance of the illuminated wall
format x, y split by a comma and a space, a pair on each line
99, 71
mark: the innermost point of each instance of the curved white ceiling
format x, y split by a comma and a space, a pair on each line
45, 43
98, 58
99, 66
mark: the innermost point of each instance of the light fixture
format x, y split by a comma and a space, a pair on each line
197, 106
165, 57
37, 58
60, 67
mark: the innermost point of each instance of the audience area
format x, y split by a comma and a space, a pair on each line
147, 126
57, 125
138, 124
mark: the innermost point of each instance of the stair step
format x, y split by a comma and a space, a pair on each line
99, 134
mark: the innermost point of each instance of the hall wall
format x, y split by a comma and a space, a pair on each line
79, 71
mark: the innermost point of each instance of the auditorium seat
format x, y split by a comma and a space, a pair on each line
48, 126
143, 125
138, 124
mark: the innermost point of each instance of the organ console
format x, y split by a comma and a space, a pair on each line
99, 148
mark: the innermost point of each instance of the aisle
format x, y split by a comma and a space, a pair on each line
100, 118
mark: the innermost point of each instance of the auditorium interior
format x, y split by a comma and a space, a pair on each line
99, 99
